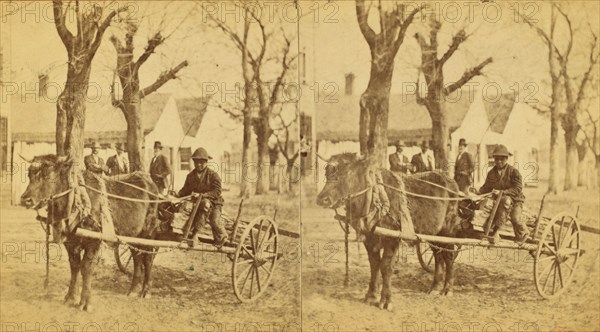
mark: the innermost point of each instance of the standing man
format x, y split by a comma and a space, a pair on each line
463, 169
117, 164
160, 169
93, 162
507, 179
398, 161
422, 162
203, 180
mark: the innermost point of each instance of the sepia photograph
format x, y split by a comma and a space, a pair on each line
454, 179
300, 165
150, 151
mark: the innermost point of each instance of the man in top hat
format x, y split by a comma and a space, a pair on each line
93, 162
160, 169
506, 178
422, 162
464, 166
117, 164
398, 161
205, 181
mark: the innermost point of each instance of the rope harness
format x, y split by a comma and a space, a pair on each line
49, 221
348, 198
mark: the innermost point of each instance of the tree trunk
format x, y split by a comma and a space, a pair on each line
71, 108
440, 135
61, 124
135, 135
263, 132
571, 128
553, 179
583, 168
247, 121
572, 161
374, 108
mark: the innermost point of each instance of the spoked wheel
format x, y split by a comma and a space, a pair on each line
124, 259
255, 259
557, 256
425, 255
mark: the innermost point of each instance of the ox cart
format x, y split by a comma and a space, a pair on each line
555, 243
253, 246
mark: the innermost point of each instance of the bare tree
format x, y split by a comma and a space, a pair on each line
282, 134
549, 40
131, 101
574, 87
374, 102
261, 93
81, 48
435, 99
591, 143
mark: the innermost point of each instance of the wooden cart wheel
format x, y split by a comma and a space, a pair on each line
557, 255
425, 255
124, 259
255, 259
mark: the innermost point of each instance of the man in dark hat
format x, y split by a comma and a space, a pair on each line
203, 180
160, 169
506, 178
118, 164
422, 162
93, 162
398, 161
463, 169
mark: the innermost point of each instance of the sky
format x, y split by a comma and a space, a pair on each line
327, 33
335, 46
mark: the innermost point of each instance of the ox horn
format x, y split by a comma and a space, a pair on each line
27, 160
321, 157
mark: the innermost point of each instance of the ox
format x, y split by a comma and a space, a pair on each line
49, 175
346, 174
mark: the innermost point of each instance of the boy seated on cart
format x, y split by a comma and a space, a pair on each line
503, 177
203, 180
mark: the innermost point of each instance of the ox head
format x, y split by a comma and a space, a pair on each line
48, 175
344, 175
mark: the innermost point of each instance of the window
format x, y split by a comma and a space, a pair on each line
185, 155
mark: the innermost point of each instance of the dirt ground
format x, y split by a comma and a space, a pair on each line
494, 288
192, 291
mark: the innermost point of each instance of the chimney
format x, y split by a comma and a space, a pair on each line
43, 85
349, 84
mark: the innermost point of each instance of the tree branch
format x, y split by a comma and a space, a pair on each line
59, 21
163, 78
102, 28
467, 76
362, 16
235, 38
113, 99
153, 43
285, 64
420, 100
588, 73
544, 36
570, 26
457, 39
404, 26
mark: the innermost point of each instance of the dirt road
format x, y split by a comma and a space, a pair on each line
192, 291
494, 288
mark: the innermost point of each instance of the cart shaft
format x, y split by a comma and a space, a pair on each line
450, 240
151, 243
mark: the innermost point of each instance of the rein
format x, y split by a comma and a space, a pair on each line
136, 199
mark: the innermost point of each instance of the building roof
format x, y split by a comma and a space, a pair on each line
191, 113
337, 118
34, 119
499, 111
